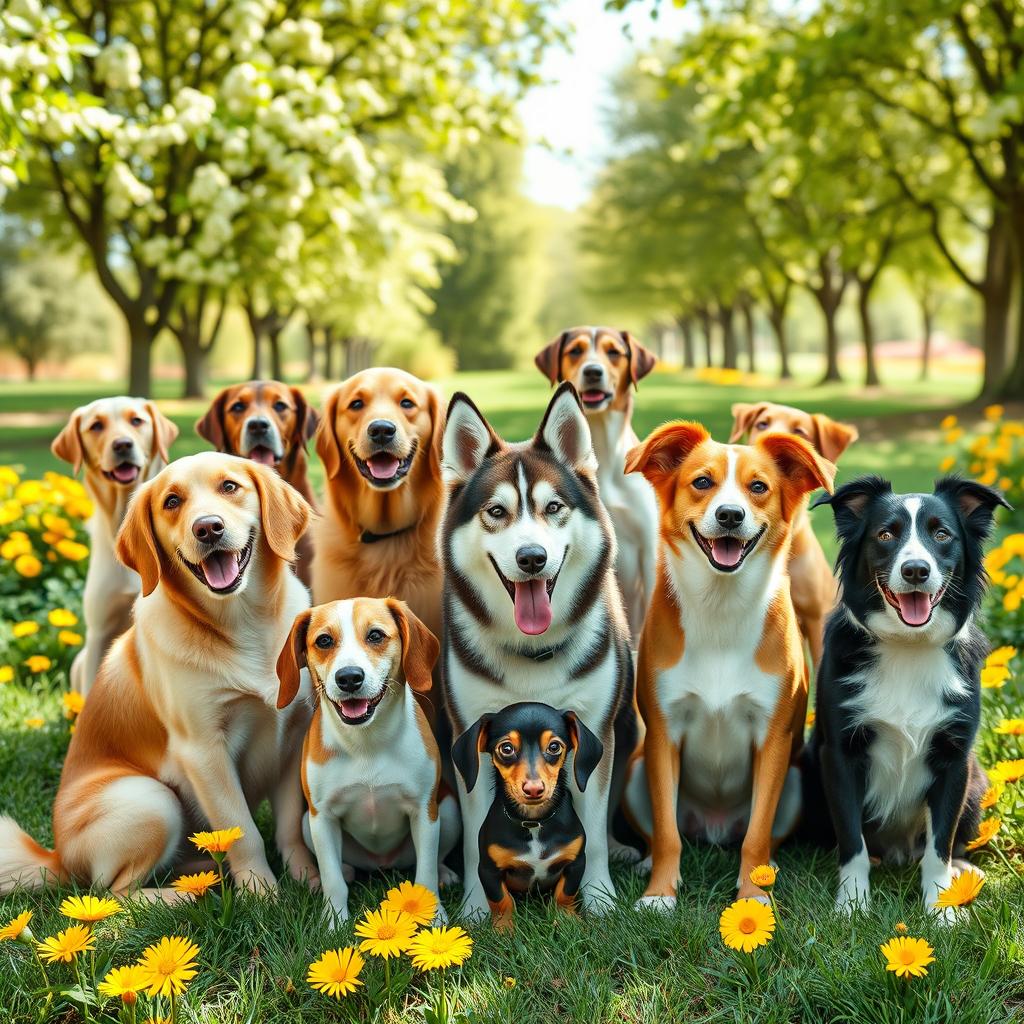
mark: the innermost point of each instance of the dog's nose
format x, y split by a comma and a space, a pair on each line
208, 528
531, 558
349, 678
122, 445
533, 788
592, 373
258, 425
381, 431
915, 571
729, 516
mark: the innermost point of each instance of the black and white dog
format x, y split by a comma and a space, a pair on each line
532, 610
899, 698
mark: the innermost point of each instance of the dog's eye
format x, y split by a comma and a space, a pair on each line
758, 487
942, 535
407, 403
375, 636
238, 407
885, 536
578, 351
356, 404
762, 424
324, 641
280, 406
229, 487
172, 501
553, 507
799, 431
555, 748
614, 355
96, 425
136, 421
496, 512
702, 483
506, 750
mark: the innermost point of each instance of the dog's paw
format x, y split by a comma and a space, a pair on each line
445, 876
661, 904
960, 866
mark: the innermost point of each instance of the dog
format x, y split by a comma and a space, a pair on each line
812, 582
181, 729
378, 535
371, 770
898, 694
605, 365
532, 608
122, 442
270, 423
721, 677
532, 835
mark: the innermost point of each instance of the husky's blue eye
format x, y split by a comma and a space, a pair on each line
702, 483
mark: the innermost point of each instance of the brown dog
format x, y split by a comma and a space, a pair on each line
379, 443
813, 584
270, 423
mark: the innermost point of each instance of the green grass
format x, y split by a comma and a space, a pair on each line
628, 967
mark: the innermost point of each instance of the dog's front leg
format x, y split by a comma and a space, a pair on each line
843, 782
945, 799
598, 891
426, 839
662, 763
771, 765
325, 831
289, 804
474, 810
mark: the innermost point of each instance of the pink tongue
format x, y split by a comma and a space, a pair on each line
383, 467
592, 396
915, 608
125, 473
264, 456
533, 607
726, 550
354, 708
221, 569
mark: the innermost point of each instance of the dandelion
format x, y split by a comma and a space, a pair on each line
948, 422
38, 663
1008, 771
901, 928
746, 925
907, 957
1001, 656
991, 795
17, 927
509, 982
6, 674
954, 435
385, 933
811, 719
89, 909
73, 703
62, 618
123, 983
415, 900
994, 676
1010, 727
947, 463
71, 550
336, 973
438, 948
35, 722
763, 876
24, 629
986, 833
69, 638
994, 413
28, 566
219, 841
962, 890
169, 965
195, 885
66, 945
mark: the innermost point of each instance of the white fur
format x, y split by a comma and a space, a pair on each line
854, 882
730, 493
914, 550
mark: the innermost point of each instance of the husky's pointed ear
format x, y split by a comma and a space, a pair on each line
467, 442
851, 500
292, 659
466, 750
549, 359
744, 416
833, 437
975, 502
564, 430
641, 360
67, 445
664, 450
587, 747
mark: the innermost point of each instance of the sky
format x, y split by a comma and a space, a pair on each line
569, 112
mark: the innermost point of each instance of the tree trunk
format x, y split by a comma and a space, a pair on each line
777, 318
313, 365
927, 318
195, 359
31, 367
747, 310
140, 357
1012, 386
274, 341
686, 333
867, 330
725, 318
328, 353
996, 295
705, 326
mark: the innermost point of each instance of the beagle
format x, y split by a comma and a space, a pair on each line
605, 365
532, 835
379, 444
270, 423
371, 770
122, 442
811, 578
721, 676
180, 731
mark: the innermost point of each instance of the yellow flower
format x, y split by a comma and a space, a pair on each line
994, 413
986, 833
219, 841
954, 435
168, 965
509, 982
8, 477
994, 676
437, 948
62, 618
901, 928
1010, 727
38, 663
16, 544
16, 927
28, 566
947, 463
415, 900
962, 890
907, 957
746, 925
123, 983
67, 944
763, 875
1001, 656
385, 933
78, 508
1008, 771
73, 704
6, 673
72, 550
35, 722
811, 718
89, 908
69, 639
195, 885
24, 629
947, 422
991, 795
336, 973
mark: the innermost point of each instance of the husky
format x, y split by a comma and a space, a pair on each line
532, 610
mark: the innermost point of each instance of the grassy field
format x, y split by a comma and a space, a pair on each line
629, 966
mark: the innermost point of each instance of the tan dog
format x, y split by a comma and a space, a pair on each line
122, 442
721, 676
605, 366
181, 730
812, 581
270, 423
378, 441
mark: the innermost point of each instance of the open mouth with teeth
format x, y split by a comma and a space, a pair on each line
263, 455
593, 398
356, 710
914, 607
125, 473
382, 469
221, 571
531, 600
726, 553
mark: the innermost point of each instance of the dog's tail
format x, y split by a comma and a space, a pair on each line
23, 862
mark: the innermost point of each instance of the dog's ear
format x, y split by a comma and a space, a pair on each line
466, 750
975, 502
641, 360
802, 468
564, 430
549, 359
306, 419
67, 445
744, 416
419, 646
284, 512
588, 749
664, 450
436, 431
467, 441
211, 426
326, 443
292, 659
851, 500
833, 437
136, 545
165, 432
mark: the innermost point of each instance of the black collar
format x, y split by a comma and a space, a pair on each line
369, 537
530, 823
